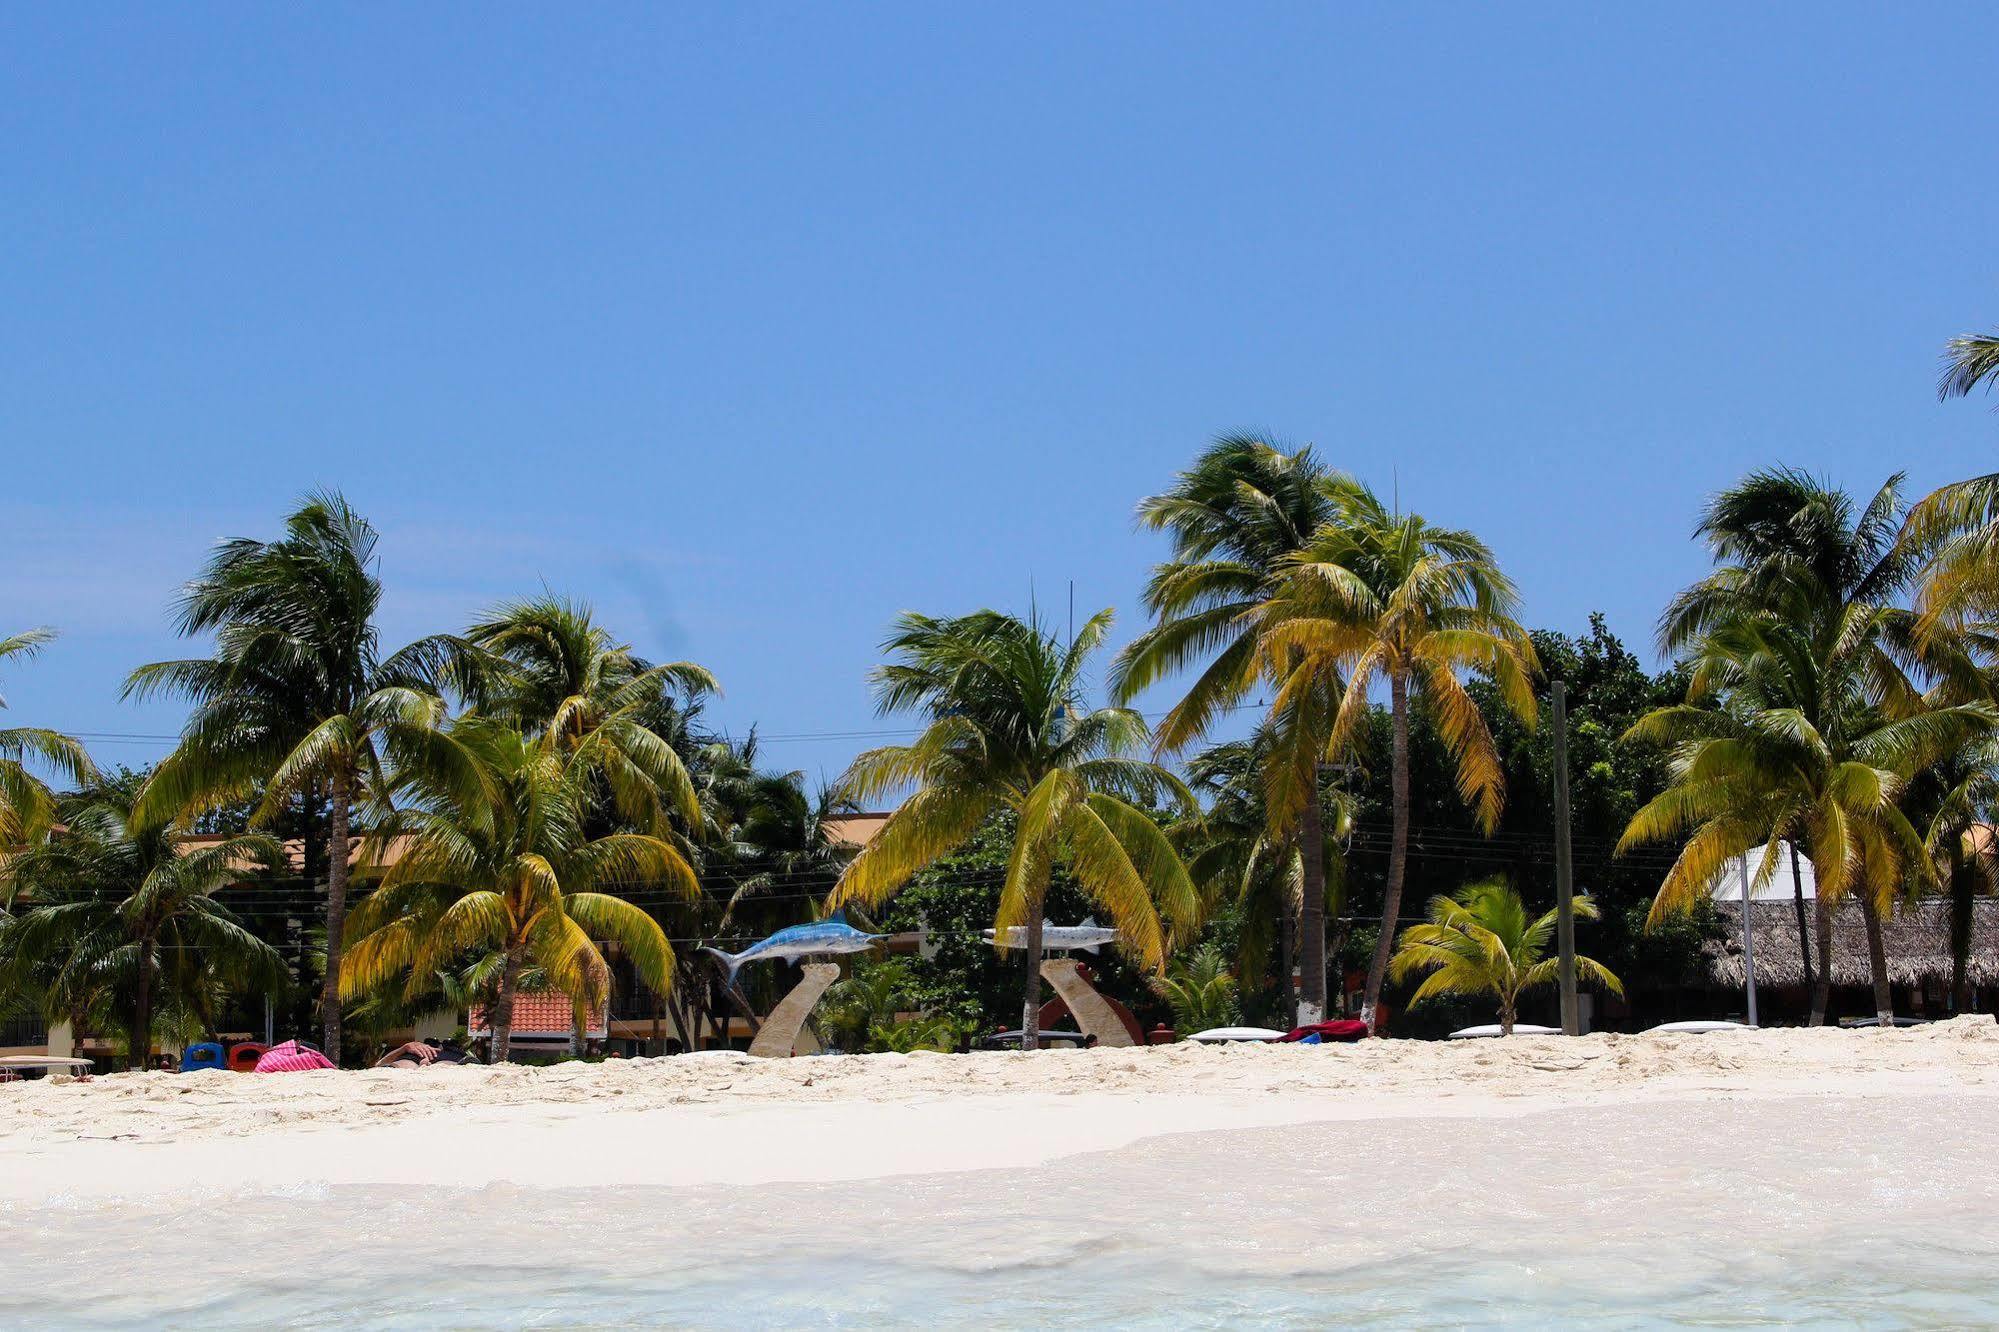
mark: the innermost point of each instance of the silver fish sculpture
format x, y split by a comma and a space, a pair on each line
1058, 938
832, 935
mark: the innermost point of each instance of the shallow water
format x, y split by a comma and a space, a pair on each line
1826, 1212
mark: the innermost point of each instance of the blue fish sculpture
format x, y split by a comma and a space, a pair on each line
832, 935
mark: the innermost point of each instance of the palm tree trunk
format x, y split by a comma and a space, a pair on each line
1507, 1015
1798, 903
1287, 937
139, 1055
1822, 983
1312, 909
1962, 887
1030, 1009
501, 1019
1398, 853
1877, 959
336, 913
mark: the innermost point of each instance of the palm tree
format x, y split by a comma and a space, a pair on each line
1481, 942
560, 675
1201, 992
1806, 583
1382, 594
298, 696
1235, 518
1948, 801
26, 806
1775, 742
1231, 853
508, 879
1006, 731
1955, 528
122, 919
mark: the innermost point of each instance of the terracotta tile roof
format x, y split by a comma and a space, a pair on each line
853, 831
547, 1013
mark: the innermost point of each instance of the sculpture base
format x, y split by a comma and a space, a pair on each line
778, 1038
1093, 1016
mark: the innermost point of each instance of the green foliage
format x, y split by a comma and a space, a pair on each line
1201, 992
1483, 942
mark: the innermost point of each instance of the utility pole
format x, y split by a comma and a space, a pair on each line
1565, 882
1748, 943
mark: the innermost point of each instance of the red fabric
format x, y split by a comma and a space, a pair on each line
1345, 1029
289, 1058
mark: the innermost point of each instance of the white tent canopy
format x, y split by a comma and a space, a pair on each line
1728, 888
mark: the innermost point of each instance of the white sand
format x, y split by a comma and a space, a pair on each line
695, 1120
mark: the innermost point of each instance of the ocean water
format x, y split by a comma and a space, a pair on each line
1837, 1212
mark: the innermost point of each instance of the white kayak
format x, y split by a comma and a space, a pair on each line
1699, 1025
1224, 1035
1492, 1029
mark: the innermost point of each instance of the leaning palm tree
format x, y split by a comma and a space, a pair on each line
298, 698
555, 672
1482, 942
1382, 595
1006, 731
507, 879
124, 920
1235, 517
26, 806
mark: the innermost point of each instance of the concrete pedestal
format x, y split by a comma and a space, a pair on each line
778, 1038
1093, 1016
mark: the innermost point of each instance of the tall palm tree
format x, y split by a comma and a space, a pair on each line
1006, 730
26, 805
506, 880
1815, 579
1380, 594
1778, 742
1949, 802
558, 673
1232, 853
298, 696
123, 920
1482, 941
1235, 518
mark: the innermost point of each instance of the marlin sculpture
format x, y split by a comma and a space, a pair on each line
1058, 938
832, 935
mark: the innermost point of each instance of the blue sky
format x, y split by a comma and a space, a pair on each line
758, 325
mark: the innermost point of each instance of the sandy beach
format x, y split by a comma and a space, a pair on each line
733, 1120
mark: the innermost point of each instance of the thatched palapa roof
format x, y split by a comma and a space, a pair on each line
1917, 941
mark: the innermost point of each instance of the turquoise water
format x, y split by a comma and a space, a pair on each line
1848, 1213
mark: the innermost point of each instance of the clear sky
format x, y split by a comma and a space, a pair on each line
758, 325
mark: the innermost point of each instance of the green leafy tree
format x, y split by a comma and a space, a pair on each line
1382, 595
298, 697
1237, 518
1006, 729
26, 806
123, 922
1483, 942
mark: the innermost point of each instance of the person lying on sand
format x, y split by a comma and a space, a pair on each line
417, 1054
